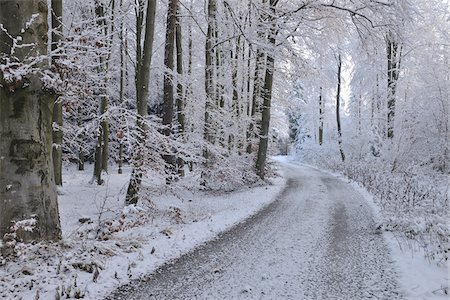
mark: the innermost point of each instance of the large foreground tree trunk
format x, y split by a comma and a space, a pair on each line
27, 186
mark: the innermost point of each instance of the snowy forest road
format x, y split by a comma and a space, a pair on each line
316, 241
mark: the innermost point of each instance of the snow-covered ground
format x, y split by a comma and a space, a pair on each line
105, 245
419, 278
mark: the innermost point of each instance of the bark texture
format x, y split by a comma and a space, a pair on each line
27, 186
338, 104
393, 51
56, 14
258, 81
267, 97
321, 106
180, 99
209, 76
144, 60
101, 150
168, 76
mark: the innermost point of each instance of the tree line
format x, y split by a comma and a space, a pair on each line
170, 89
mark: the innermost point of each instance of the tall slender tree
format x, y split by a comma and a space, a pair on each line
209, 76
338, 105
123, 37
321, 106
101, 148
168, 74
142, 77
394, 53
56, 17
258, 80
267, 95
180, 98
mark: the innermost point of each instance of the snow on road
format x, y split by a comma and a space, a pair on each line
317, 241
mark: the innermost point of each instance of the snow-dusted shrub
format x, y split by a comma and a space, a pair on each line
230, 172
413, 198
430, 232
413, 203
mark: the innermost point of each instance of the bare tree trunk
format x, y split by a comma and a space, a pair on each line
257, 96
123, 51
80, 138
189, 90
168, 77
235, 105
248, 82
267, 96
146, 58
56, 16
359, 128
101, 148
393, 52
140, 23
57, 141
104, 61
209, 81
142, 81
321, 106
109, 36
98, 157
180, 92
338, 101
265, 121
250, 129
26, 168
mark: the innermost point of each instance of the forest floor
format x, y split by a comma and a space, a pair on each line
318, 240
105, 244
308, 235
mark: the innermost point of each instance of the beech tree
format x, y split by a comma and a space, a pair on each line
56, 17
26, 169
338, 105
267, 96
168, 74
181, 97
143, 61
209, 76
394, 54
258, 80
321, 112
104, 47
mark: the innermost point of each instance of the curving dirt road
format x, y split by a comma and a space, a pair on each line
316, 241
